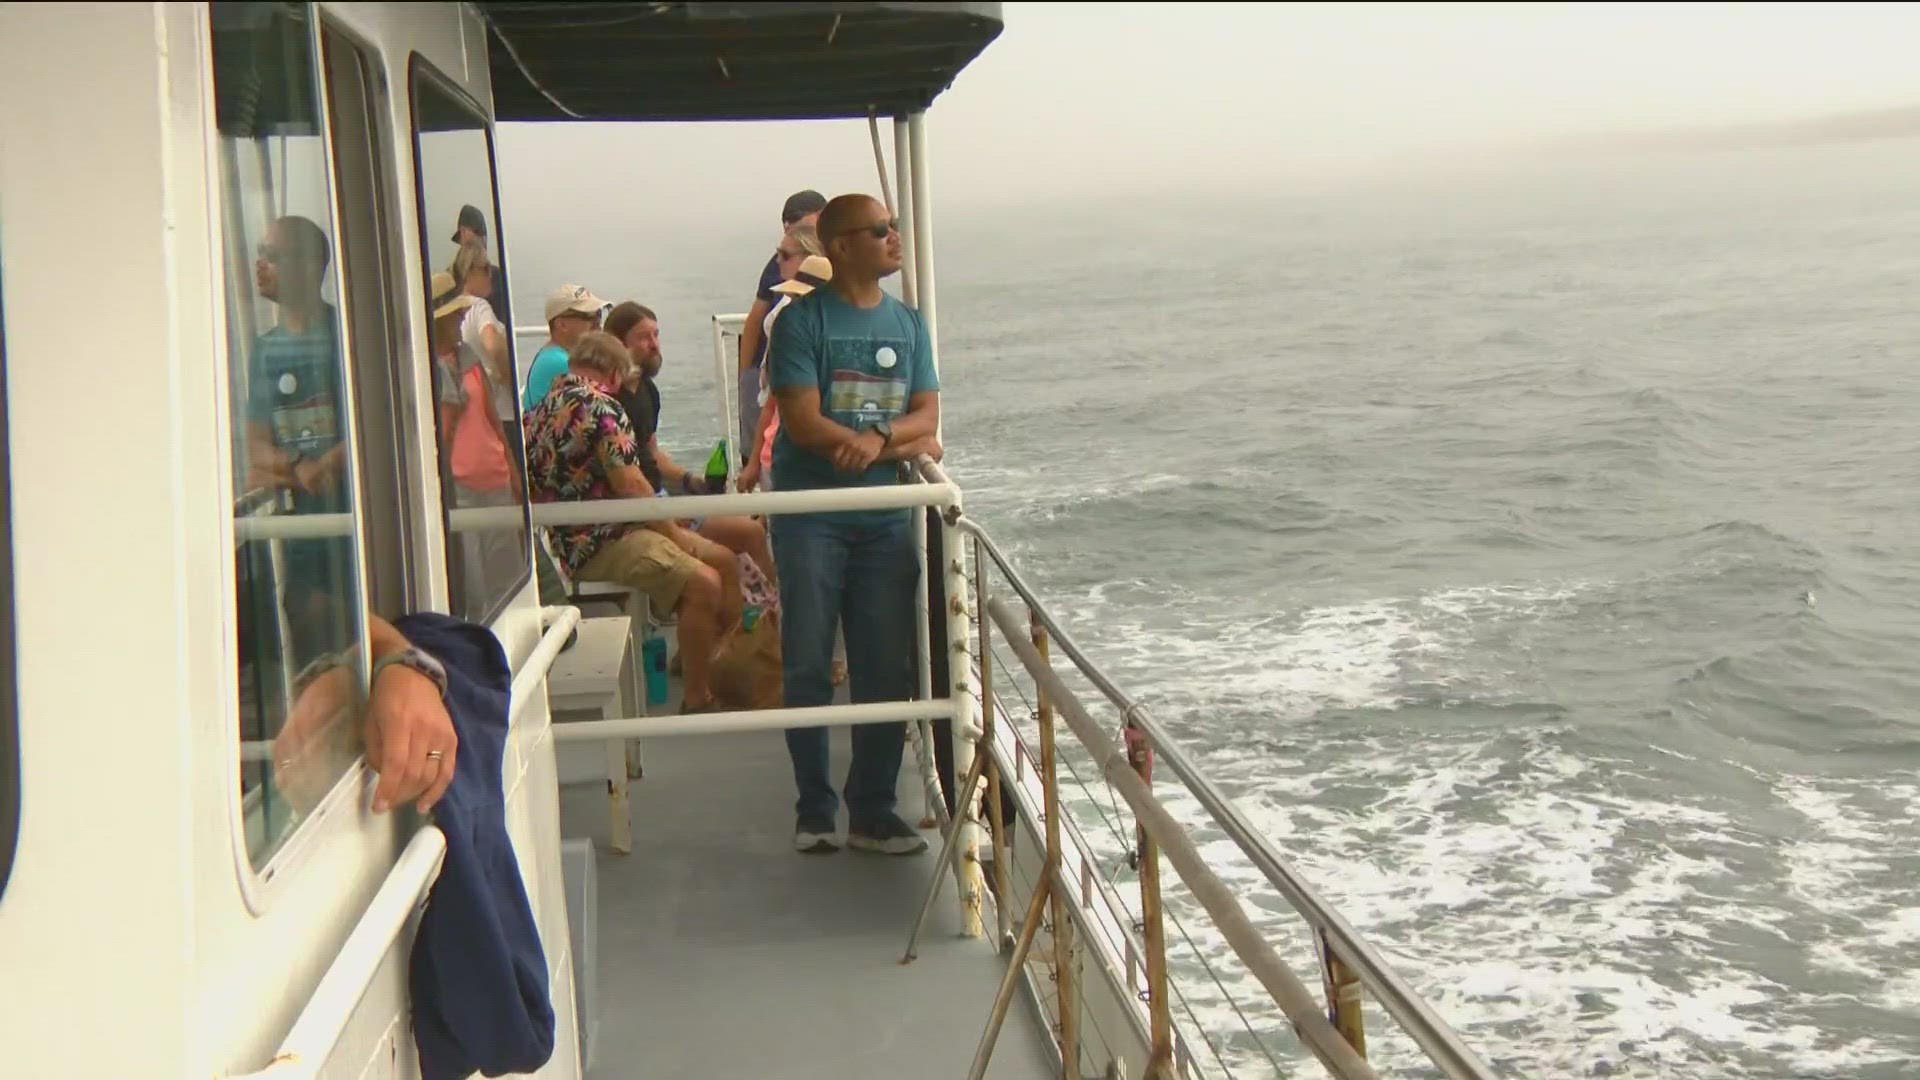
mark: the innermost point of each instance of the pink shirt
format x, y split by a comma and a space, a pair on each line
769, 404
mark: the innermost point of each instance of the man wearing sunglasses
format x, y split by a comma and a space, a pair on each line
853, 371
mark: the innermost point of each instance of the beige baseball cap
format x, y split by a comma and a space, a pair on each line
573, 298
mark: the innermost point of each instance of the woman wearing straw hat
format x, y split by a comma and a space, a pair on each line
803, 268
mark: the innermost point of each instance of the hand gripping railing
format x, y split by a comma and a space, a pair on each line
1348, 961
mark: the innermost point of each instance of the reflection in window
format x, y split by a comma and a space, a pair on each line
296, 554
477, 417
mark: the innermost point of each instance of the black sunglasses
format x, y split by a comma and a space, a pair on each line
878, 232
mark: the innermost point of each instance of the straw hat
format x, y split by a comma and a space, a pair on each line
814, 272
445, 302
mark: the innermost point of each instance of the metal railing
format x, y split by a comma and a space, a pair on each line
1349, 964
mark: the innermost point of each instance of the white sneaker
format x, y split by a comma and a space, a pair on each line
815, 838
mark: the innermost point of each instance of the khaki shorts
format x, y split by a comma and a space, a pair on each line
644, 560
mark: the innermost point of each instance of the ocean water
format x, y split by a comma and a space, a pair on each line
1548, 587
1544, 579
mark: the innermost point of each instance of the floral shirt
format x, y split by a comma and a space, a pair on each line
574, 436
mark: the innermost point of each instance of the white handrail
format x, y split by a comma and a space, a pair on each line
625, 511
819, 501
304, 1051
648, 727
292, 526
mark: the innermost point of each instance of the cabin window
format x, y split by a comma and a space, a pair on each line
297, 557
9, 703
471, 351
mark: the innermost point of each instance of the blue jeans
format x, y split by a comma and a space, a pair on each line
862, 578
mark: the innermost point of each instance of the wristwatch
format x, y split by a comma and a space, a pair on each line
885, 428
418, 660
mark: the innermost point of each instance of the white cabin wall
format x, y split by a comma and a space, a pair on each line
98, 909
154, 948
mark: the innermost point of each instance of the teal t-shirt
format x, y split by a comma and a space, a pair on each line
548, 364
867, 364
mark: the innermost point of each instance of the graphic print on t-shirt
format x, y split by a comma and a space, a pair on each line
865, 382
311, 425
859, 400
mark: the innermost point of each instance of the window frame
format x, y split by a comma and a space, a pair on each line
261, 883
421, 70
9, 687
384, 431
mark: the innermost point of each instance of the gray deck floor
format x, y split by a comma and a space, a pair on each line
723, 953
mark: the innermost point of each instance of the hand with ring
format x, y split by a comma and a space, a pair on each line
410, 740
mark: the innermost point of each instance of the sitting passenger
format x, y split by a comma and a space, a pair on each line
580, 447
639, 330
571, 312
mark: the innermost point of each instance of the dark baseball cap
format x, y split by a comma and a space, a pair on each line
800, 204
470, 218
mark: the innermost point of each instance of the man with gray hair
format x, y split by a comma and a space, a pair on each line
581, 447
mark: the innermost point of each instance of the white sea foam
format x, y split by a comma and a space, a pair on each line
1565, 927
1515, 893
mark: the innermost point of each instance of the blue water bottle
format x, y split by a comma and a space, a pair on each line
653, 657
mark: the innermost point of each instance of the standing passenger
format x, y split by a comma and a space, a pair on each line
296, 431
852, 369
803, 268
482, 327
801, 208
472, 228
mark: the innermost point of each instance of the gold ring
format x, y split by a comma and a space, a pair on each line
436, 755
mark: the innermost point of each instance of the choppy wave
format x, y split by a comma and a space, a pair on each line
1551, 593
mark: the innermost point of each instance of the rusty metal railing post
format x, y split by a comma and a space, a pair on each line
988, 711
1343, 995
1064, 988
1152, 921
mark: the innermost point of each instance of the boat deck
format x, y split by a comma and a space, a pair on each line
723, 953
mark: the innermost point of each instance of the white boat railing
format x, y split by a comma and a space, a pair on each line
303, 1053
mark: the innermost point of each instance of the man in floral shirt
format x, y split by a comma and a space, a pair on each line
580, 447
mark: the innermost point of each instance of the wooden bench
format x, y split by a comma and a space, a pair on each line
595, 675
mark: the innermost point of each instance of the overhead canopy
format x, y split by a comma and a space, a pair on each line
727, 61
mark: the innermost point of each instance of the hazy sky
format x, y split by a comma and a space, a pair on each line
1119, 98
